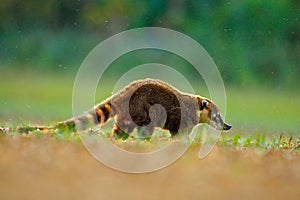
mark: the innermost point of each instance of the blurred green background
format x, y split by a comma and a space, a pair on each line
255, 44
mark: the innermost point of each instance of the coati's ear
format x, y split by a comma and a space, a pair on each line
204, 104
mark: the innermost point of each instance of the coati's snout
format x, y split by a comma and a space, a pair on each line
226, 127
209, 113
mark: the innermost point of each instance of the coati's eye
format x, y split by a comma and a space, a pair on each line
204, 103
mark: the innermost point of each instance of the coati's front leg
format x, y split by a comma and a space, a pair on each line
145, 131
172, 124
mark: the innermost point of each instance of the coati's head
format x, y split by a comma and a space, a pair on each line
210, 114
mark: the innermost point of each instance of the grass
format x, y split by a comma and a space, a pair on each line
234, 140
261, 141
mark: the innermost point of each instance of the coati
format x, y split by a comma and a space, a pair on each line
148, 103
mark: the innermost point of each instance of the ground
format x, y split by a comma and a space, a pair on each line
43, 167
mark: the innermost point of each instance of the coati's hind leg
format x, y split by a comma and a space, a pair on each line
122, 128
118, 133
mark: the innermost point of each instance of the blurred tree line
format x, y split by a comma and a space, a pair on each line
253, 42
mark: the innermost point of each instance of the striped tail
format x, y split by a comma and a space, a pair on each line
98, 115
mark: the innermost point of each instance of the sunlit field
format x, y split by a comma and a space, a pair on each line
259, 156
